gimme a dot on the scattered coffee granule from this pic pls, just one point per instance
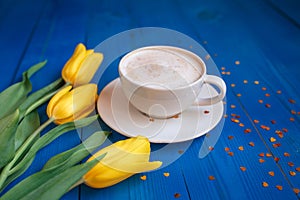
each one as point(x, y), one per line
point(232, 106)
point(265, 184)
point(279, 187)
point(291, 164)
point(239, 95)
point(268, 105)
point(232, 85)
point(166, 174)
point(180, 151)
point(241, 125)
point(286, 154)
point(245, 81)
point(235, 115)
point(261, 160)
point(268, 155)
point(228, 73)
point(260, 101)
point(241, 148)
point(211, 178)
point(248, 130)
point(235, 120)
point(267, 95)
point(271, 173)
point(223, 68)
point(298, 169)
point(273, 122)
point(276, 159)
point(227, 149)
point(230, 137)
point(292, 119)
point(265, 127)
point(243, 168)
point(230, 153)
point(293, 112)
point(256, 82)
point(251, 144)
point(206, 111)
point(285, 130)
point(276, 145)
point(177, 195)
point(144, 177)
point(296, 190)
point(261, 154)
point(225, 116)
point(298, 113)
point(292, 173)
point(272, 139)
point(207, 57)
point(264, 88)
point(237, 62)
point(176, 116)
point(223, 72)
point(278, 92)
point(211, 148)
point(279, 133)
point(292, 101)
point(256, 121)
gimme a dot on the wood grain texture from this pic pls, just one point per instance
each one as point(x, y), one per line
point(263, 36)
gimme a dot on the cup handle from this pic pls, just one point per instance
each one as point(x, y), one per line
point(219, 83)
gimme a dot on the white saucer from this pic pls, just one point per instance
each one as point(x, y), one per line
point(116, 111)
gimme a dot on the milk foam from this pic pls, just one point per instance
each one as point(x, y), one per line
point(156, 69)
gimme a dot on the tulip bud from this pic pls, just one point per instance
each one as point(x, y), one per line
point(123, 159)
point(82, 66)
point(70, 105)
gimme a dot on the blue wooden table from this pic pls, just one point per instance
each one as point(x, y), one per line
point(256, 47)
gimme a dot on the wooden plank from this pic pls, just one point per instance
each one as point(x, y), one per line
point(60, 28)
point(15, 20)
point(251, 44)
point(166, 19)
point(289, 9)
point(105, 20)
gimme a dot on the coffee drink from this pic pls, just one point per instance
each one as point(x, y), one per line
point(163, 81)
point(157, 68)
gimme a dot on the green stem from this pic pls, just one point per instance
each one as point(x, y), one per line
point(44, 99)
point(76, 184)
point(7, 169)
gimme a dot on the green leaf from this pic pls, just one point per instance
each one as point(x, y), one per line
point(27, 126)
point(12, 97)
point(8, 126)
point(76, 154)
point(39, 97)
point(16, 174)
point(49, 184)
point(50, 136)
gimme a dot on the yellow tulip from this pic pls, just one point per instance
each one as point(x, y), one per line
point(69, 105)
point(82, 66)
point(123, 159)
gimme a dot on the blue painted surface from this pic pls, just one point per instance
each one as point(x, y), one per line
point(263, 35)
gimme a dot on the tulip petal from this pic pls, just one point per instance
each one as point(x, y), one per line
point(123, 159)
point(105, 178)
point(88, 68)
point(76, 104)
point(88, 52)
point(73, 64)
point(52, 103)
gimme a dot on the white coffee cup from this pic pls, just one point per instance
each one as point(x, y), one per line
point(163, 81)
